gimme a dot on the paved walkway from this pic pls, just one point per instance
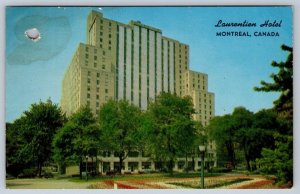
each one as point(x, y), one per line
point(42, 183)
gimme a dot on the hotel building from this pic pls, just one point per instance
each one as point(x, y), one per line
point(133, 62)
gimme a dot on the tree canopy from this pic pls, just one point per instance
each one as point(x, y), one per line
point(78, 138)
point(279, 160)
point(172, 130)
point(119, 122)
point(32, 135)
point(283, 83)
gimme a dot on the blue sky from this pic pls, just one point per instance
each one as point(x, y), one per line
point(34, 70)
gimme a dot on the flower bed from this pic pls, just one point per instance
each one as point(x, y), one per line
point(210, 183)
point(261, 184)
point(223, 182)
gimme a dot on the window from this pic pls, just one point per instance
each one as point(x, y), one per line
point(109, 35)
point(109, 23)
point(109, 42)
point(100, 45)
point(88, 95)
point(95, 57)
point(89, 73)
point(103, 52)
point(98, 82)
point(101, 21)
point(87, 49)
point(109, 48)
point(106, 91)
point(97, 97)
point(89, 80)
point(98, 89)
point(86, 55)
point(97, 104)
point(88, 88)
point(95, 64)
point(100, 39)
point(98, 74)
point(103, 66)
point(101, 33)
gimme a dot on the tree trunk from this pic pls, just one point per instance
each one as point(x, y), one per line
point(97, 165)
point(193, 163)
point(231, 154)
point(40, 169)
point(248, 165)
point(120, 163)
point(186, 162)
point(93, 168)
point(171, 166)
point(62, 169)
point(80, 168)
point(247, 160)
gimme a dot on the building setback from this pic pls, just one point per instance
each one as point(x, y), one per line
point(133, 62)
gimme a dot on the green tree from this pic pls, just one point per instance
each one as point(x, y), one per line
point(221, 130)
point(34, 133)
point(282, 155)
point(119, 122)
point(283, 83)
point(63, 147)
point(14, 143)
point(78, 138)
point(252, 141)
point(241, 122)
point(279, 160)
point(200, 138)
point(172, 131)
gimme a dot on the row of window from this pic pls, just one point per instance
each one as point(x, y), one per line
point(205, 112)
point(109, 35)
point(95, 57)
point(101, 21)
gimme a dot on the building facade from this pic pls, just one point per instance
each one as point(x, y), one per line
point(133, 62)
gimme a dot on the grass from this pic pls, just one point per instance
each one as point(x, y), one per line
point(143, 176)
point(221, 184)
point(191, 175)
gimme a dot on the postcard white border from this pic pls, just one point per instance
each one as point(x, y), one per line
point(296, 45)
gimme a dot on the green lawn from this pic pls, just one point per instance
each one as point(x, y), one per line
point(143, 176)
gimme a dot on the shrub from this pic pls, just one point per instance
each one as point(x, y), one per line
point(48, 175)
point(220, 170)
point(28, 173)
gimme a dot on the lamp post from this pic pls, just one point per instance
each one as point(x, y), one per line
point(202, 151)
point(86, 173)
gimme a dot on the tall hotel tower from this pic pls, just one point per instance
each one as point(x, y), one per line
point(133, 62)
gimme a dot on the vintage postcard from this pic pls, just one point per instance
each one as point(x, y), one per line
point(184, 97)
